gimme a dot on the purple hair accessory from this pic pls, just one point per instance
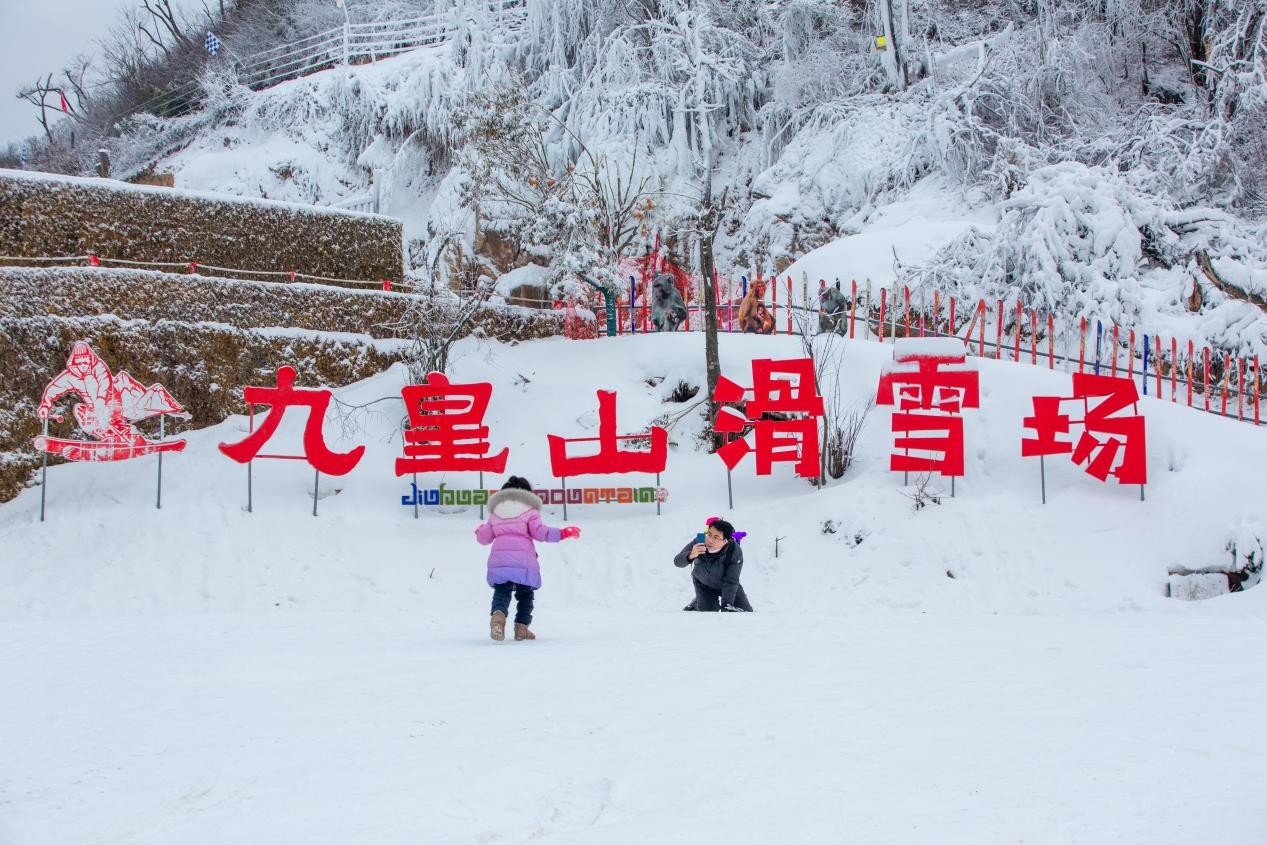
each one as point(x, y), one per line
point(737, 536)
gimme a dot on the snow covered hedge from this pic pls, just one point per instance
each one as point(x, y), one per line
point(51, 216)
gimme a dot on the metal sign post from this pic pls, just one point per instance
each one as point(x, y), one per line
point(162, 433)
point(44, 472)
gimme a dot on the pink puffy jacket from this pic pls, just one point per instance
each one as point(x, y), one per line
point(514, 522)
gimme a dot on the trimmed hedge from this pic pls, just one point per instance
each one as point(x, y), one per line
point(41, 215)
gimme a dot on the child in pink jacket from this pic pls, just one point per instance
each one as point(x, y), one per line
point(514, 522)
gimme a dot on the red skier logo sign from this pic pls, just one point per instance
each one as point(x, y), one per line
point(111, 404)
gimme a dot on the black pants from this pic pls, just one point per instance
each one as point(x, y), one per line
point(708, 599)
point(523, 601)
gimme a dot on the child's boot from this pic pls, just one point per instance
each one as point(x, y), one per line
point(522, 632)
point(497, 625)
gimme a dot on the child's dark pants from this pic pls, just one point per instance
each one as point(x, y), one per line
point(523, 601)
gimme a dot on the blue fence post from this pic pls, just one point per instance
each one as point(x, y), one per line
point(1144, 370)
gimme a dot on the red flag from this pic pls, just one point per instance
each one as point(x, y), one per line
point(65, 105)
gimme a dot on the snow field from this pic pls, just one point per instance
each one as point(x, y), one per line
point(201, 674)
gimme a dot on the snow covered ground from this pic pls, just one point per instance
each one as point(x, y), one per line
point(988, 669)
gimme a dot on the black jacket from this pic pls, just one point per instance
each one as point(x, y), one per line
point(719, 570)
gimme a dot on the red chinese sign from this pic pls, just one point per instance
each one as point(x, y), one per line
point(930, 391)
point(111, 404)
point(1100, 399)
point(446, 428)
point(279, 398)
point(778, 387)
point(610, 458)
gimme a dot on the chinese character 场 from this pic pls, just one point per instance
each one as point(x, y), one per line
point(779, 387)
point(279, 398)
point(446, 428)
point(610, 458)
point(930, 392)
point(1121, 433)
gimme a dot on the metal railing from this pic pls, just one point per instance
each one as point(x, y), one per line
point(350, 44)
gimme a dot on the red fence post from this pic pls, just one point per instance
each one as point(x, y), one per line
point(1205, 355)
point(1082, 347)
point(981, 330)
point(1157, 356)
point(1033, 338)
point(906, 317)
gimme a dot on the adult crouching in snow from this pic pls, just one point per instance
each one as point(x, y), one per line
point(716, 564)
point(514, 522)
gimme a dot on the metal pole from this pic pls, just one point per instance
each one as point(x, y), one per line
point(249, 464)
point(316, 486)
point(730, 492)
point(1042, 475)
point(415, 483)
point(481, 488)
point(347, 31)
point(657, 498)
point(44, 472)
point(162, 432)
point(564, 481)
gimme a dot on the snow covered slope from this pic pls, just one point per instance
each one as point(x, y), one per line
point(988, 669)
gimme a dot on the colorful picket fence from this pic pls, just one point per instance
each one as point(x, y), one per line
point(1170, 367)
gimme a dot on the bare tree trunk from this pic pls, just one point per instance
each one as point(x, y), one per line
point(893, 20)
point(710, 220)
point(1195, 21)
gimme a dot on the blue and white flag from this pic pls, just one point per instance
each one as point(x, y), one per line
point(212, 43)
point(23, 156)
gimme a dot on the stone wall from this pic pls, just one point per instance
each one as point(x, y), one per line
point(42, 215)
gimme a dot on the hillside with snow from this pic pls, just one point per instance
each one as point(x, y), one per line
point(1107, 156)
point(981, 668)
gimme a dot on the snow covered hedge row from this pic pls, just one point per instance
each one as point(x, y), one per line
point(153, 296)
point(50, 216)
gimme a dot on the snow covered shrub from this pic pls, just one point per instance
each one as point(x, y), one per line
point(849, 156)
point(1073, 239)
